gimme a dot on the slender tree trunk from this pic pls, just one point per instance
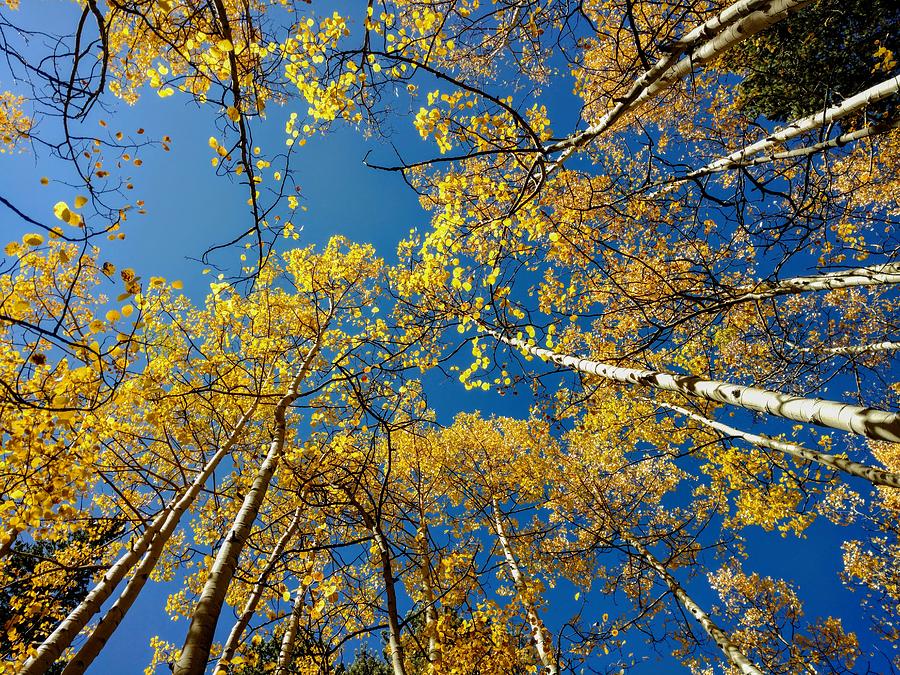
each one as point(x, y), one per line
point(705, 43)
point(428, 581)
point(146, 551)
point(869, 473)
point(198, 642)
point(391, 596)
point(290, 634)
point(873, 275)
point(732, 653)
point(805, 151)
point(851, 350)
point(544, 649)
point(876, 424)
point(431, 617)
point(237, 631)
point(390, 589)
point(848, 106)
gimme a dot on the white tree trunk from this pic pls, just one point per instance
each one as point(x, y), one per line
point(431, 616)
point(390, 590)
point(874, 275)
point(876, 424)
point(198, 642)
point(848, 106)
point(871, 474)
point(237, 631)
point(851, 350)
point(290, 634)
point(146, 550)
point(705, 43)
point(538, 632)
point(805, 151)
point(731, 651)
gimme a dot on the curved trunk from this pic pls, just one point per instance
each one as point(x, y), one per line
point(876, 424)
point(234, 637)
point(198, 642)
point(146, 551)
point(544, 649)
point(869, 473)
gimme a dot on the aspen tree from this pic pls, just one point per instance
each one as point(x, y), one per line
point(875, 424)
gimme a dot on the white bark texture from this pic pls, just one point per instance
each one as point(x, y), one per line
point(390, 591)
point(848, 106)
point(538, 633)
point(145, 553)
point(290, 635)
point(869, 473)
point(805, 151)
point(875, 275)
point(852, 350)
point(431, 616)
point(701, 45)
point(237, 631)
point(731, 651)
point(198, 642)
point(875, 424)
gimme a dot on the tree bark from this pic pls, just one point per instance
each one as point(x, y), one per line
point(237, 631)
point(145, 550)
point(431, 617)
point(869, 473)
point(874, 275)
point(290, 635)
point(851, 350)
point(848, 106)
point(544, 650)
point(390, 590)
point(731, 651)
point(876, 424)
point(704, 44)
point(198, 642)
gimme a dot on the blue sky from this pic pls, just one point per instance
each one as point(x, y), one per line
point(189, 207)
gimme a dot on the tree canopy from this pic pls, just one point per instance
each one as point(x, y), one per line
point(622, 396)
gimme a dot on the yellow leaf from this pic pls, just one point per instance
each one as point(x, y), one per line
point(61, 211)
point(113, 315)
point(177, 285)
point(80, 201)
point(33, 239)
point(286, 596)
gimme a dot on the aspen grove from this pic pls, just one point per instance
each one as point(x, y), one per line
point(619, 395)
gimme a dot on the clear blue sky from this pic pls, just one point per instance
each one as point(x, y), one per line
point(189, 207)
